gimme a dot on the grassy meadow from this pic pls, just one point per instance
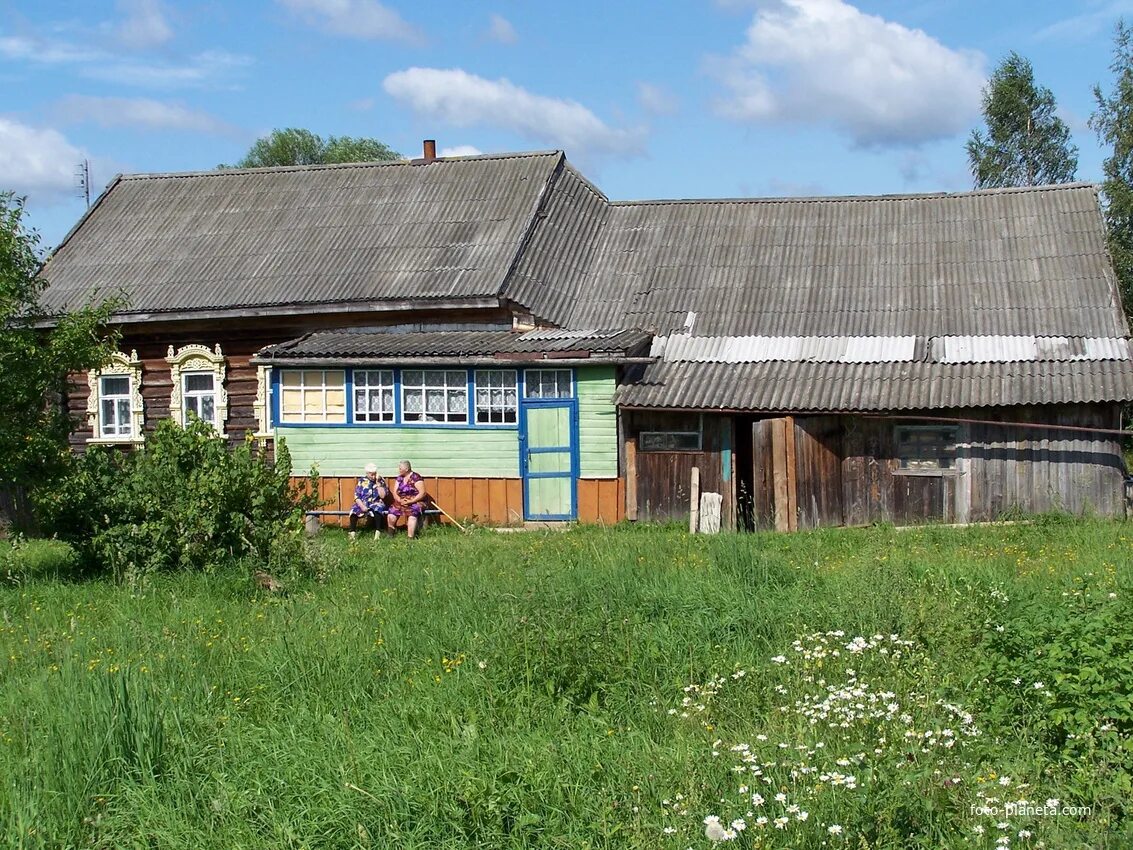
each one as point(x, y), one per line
point(626, 687)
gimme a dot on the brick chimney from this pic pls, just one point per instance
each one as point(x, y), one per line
point(430, 150)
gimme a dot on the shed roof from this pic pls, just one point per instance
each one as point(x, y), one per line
point(1027, 261)
point(305, 235)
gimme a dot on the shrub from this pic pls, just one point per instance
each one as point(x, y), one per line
point(183, 502)
point(25, 560)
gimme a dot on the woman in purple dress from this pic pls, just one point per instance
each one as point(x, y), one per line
point(409, 499)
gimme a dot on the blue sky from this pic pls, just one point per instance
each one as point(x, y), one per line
point(719, 98)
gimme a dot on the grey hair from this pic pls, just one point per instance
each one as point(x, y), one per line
point(408, 466)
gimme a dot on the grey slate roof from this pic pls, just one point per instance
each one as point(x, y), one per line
point(305, 235)
point(539, 344)
point(785, 386)
point(1029, 261)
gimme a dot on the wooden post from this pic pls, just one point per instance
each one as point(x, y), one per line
point(792, 475)
point(694, 503)
point(779, 474)
point(631, 478)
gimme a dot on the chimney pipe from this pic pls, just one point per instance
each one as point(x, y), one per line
point(430, 150)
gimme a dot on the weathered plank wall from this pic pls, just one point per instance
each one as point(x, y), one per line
point(818, 470)
point(663, 477)
point(1034, 470)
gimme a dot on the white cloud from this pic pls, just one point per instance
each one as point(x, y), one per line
point(461, 150)
point(44, 52)
point(826, 62)
point(367, 19)
point(1085, 25)
point(656, 100)
point(501, 30)
point(37, 162)
point(144, 24)
point(139, 112)
point(465, 100)
point(203, 69)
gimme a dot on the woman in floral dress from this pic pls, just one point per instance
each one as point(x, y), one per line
point(409, 498)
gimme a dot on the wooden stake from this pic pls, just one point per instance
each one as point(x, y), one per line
point(694, 506)
point(451, 517)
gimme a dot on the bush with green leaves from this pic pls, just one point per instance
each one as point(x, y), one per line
point(185, 501)
point(23, 560)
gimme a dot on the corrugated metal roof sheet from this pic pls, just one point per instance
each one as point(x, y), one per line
point(376, 345)
point(783, 386)
point(1005, 349)
point(306, 235)
point(1029, 261)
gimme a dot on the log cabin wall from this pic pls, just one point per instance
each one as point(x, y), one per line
point(663, 475)
point(239, 340)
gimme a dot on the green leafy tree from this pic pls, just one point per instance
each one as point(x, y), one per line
point(1026, 143)
point(35, 362)
point(294, 146)
point(1113, 122)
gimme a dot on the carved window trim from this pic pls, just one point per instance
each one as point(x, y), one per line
point(129, 367)
point(261, 407)
point(197, 358)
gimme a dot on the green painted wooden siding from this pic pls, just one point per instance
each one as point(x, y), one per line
point(597, 423)
point(458, 452)
point(445, 452)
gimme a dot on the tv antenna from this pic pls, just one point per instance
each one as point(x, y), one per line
point(82, 180)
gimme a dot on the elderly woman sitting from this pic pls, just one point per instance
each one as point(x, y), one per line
point(369, 502)
point(409, 499)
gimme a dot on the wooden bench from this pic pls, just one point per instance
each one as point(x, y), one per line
point(312, 518)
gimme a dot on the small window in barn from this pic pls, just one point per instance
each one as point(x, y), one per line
point(668, 441)
point(310, 396)
point(434, 395)
point(497, 402)
point(548, 383)
point(373, 396)
point(926, 448)
point(114, 406)
point(198, 395)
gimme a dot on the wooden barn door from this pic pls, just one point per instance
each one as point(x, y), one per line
point(773, 474)
point(797, 472)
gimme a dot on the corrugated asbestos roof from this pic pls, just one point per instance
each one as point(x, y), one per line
point(885, 349)
point(783, 386)
point(459, 344)
point(1006, 262)
point(305, 235)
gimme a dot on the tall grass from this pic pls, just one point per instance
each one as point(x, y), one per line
point(515, 690)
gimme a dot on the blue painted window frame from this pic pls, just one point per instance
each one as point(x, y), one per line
point(398, 419)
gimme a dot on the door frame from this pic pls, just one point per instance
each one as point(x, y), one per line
point(571, 405)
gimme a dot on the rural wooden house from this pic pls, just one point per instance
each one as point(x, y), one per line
point(540, 352)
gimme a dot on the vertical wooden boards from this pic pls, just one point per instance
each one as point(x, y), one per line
point(818, 471)
point(694, 500)
point(631, 478)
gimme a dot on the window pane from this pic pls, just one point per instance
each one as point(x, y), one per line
point(312, 402)
point(198, 382)
point(292, 401)
point(458, 401)
point(123, 416)
point(564, 384)
point(456, 379)
point(335, 379)
point(116, 385)
point(413, 402)
point(108, 419)
point(434, 379)
point(387, 401)
point(412, 378)
point(208, 409)
point(312, 379)
point(291, 378)
point(191, 407)
point(435, 401)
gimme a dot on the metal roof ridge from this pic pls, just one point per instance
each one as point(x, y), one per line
point(908, 196)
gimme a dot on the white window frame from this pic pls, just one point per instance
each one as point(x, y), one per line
point(508, 413)
point(197, 359)
point(533, 377)
point(119, 366)
point(322, 388)
point(364, 416)
point(450, 390)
